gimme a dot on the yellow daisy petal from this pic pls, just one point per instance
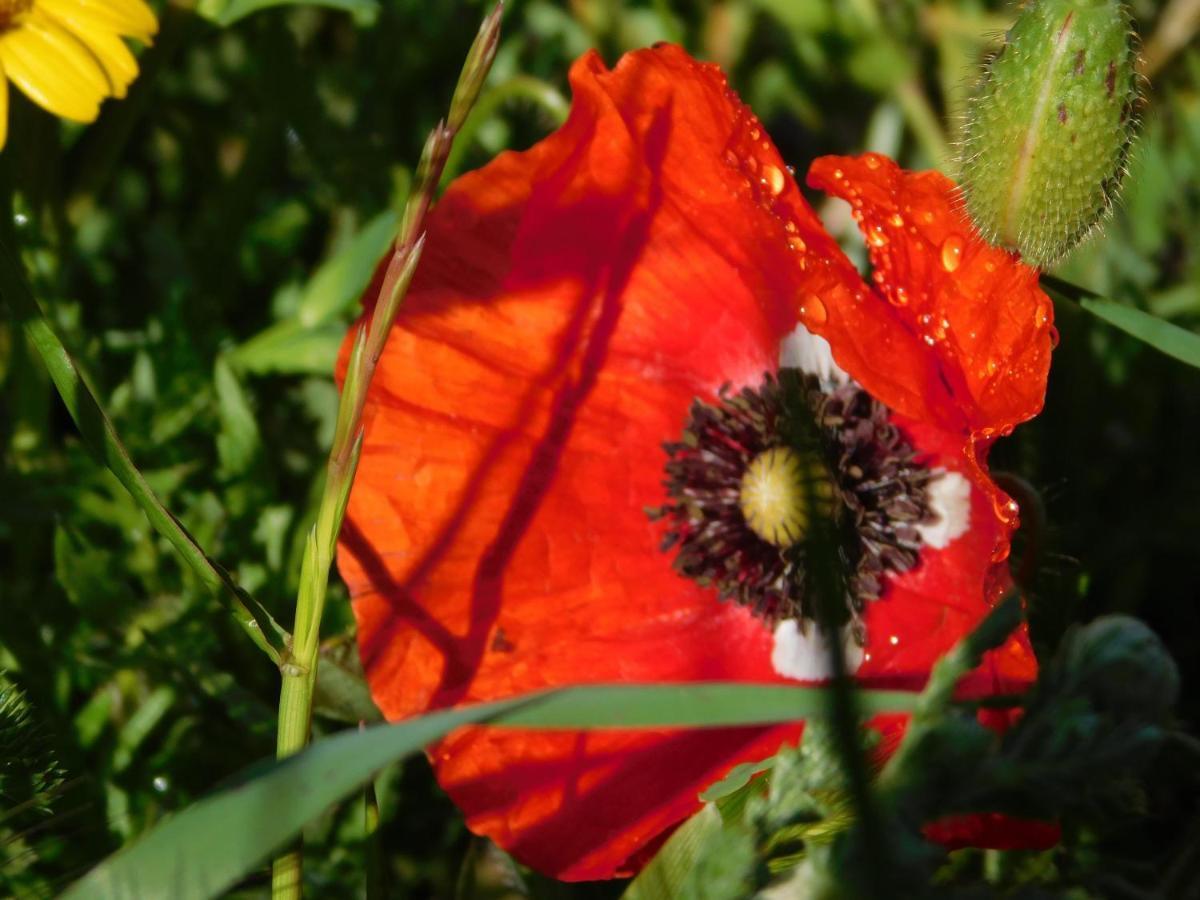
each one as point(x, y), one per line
point(110, 51)
point(132, 18)
point(3, 107)
point(54, 70)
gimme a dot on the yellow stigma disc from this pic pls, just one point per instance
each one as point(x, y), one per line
point(776, 492)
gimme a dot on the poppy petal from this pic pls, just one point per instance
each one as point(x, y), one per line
point(926, 610)
point(944, 297)
point(572, 301)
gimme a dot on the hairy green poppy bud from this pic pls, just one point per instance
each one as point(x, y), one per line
point(1050, 126)
point(1124, 667)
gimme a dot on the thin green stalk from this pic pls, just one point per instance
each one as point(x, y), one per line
point(926, 126)
point(376, 877)
point(101, 438)
point(299, 671)
point(544, 96)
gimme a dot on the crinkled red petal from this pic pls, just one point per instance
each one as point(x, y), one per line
point(956, 332)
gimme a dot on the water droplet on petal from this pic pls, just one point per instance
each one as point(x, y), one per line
point(899, 296)
point(751, 164)
point(773, 180)
point(812, 310)
point(876, 237)
point(1044, 312)
point(896, 220)
point(927, 217)
point(1008, 510)
point(755, 134)
point(797, 244)
point(952, 250)
point(872, 161)
point(838, 174)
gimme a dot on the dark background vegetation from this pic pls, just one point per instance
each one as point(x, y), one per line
point(174, 245)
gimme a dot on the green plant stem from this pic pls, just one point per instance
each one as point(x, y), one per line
point(101, 438)
point(299, 670)
point(924, 122)
point(520, 87)
point(376, 885)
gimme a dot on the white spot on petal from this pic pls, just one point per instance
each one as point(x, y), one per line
point(805, 657)
point(810, 353)
point(950, 500)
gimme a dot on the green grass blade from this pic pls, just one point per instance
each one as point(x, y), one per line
point(101, 438)
point(209, 846)
point(1176, 342)
point(1164, 337)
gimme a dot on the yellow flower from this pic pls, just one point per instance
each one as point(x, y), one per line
point(68, 55)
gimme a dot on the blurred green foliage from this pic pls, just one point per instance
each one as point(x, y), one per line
point(201, 247)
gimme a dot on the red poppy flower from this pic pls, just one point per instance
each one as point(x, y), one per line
point(630, 281)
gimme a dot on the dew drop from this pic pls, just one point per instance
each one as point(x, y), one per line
point(773, 180)
point(797, 244)
point(872, 161)
point(989, 266)
point(927, 217)
point(812, 310)
point(755, 134)
point(1008, 510)
point(952, 250)
point(838, 174)
point(900, 296)
point(896, 220)
point(789, 226)
point(751, 164)
point(731, 158)
point(876, 237)
point(1044, 312)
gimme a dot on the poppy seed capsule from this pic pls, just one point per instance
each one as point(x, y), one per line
point(1049, 127)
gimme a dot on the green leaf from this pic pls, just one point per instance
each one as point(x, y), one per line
point(736, 779)
point(343, 277)
point(288, 348)
point(1164, 337)
point(703, 858)
point(227, 12)
point(341, 691)
point(204, 849)
point(238, 441)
